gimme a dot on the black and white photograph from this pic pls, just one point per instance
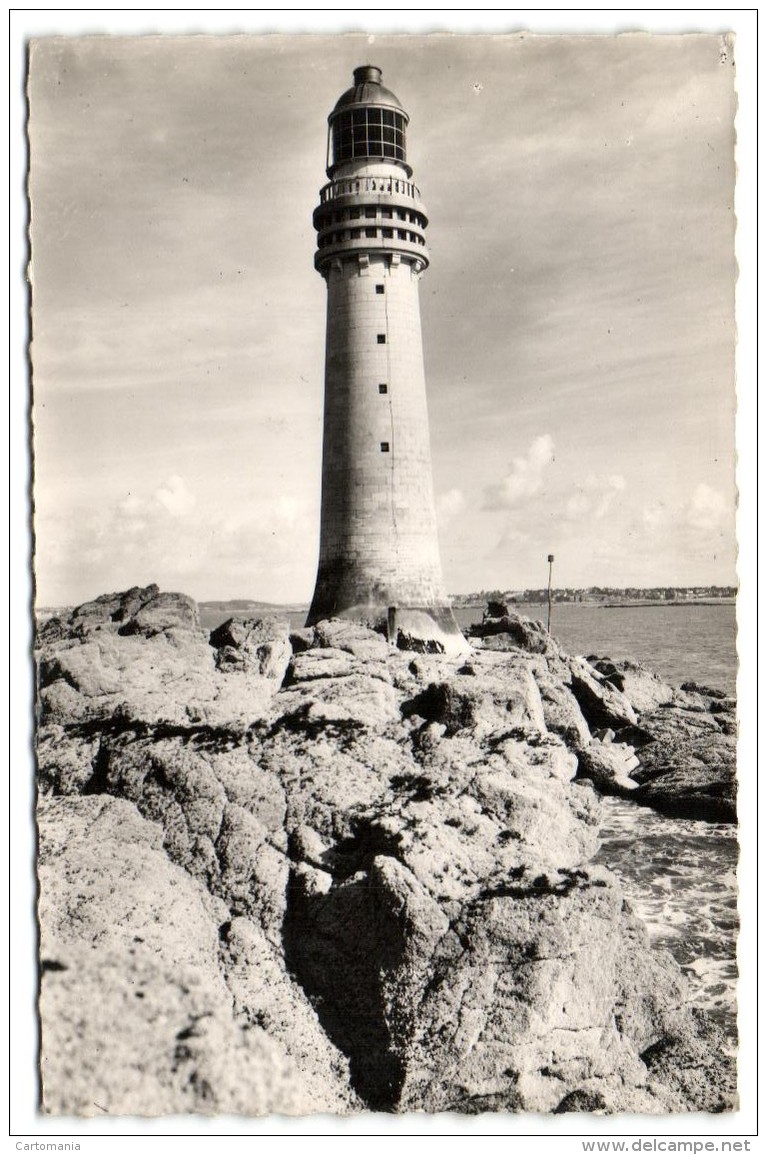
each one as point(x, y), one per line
point(382, 413)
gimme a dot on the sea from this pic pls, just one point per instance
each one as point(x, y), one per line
point(679, 875)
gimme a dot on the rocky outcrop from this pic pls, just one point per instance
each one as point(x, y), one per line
point(684, 741)
point(670, 748)
point(253, 645)
point(643, 688)
point(139, 1015)
point(609, 765)
point(136, 611)
point(96, 666)
point(364, 884)
point(688, 769)
point(508, 631)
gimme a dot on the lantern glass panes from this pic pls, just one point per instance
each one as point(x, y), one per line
point(368, 132)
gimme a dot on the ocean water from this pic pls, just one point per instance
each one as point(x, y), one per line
point(679, 876)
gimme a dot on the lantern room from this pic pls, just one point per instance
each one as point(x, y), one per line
point(368, 123)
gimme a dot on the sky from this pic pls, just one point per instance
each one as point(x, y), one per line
point(578, 313)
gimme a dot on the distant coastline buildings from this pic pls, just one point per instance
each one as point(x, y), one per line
point(601, 594)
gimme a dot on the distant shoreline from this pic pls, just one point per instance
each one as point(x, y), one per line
point(636, 605)
point(656, 603)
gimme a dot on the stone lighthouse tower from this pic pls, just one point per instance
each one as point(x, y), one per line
point(379, 554)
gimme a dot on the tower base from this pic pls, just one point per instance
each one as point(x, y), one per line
point(423, 629)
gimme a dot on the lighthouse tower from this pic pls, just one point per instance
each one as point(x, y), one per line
point(379, 555)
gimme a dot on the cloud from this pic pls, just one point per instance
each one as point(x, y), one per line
point(526, 476)
point(594, 496)
point(163, 535)
point(449, 505)
point(175, 496)
point(707, 509)
point(510, 537)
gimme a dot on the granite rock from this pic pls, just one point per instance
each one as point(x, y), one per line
point(137, 1017)
point(641, 687)
point(257, 645)
point(689, 769)
point(369, 881)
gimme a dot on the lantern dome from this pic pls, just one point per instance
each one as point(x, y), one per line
point(367, 123)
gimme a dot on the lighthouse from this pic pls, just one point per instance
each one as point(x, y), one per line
point(379, 553)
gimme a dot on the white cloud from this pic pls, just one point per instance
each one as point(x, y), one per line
point(608, 493)
point(707, 509)
point(594, 495)
point(526, 476)
point(175, 496)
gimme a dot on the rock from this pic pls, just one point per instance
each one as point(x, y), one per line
point(581, 1100)
point(561, 712)
point(689, 774)
point(314, 665)
point(268, 997)
point(252, 645)
point(680, 760)
point(514, 632)
point(418, 645)
point(136, 611)
point(162, 612)
point(601, 704)
point(689, 769)
point(496, 610)
point(136, 1017)
point(702, 691)
point(609, 767)
point(496, 703)
point(338, 634)
point(515, 1009)
point(365, 885)
point(301, 640)
point(693, 1063)
point(606, 737)
point(355, 698)
point(642, 688)
point(105, 612)
point(636, 736)
point(166, 678)
point(651, 991)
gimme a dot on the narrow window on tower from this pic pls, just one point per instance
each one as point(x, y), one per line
point(379, 288)
point(384, 447)
point(381, 338)
point(383, 387)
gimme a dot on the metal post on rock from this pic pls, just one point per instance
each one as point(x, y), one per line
point(548, 615)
